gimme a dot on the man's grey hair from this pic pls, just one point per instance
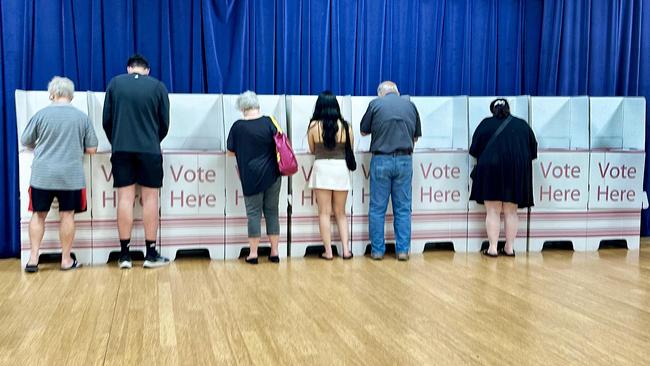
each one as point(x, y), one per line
point(61, 87)
point(387, 87)
point(247, 101)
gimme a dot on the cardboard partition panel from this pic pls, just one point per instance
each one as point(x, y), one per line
point(440, 199)
point(561, 171)
point(616, 197)
point(195, 123)
point(616, 170)
point(617, 123)
point(193, 203)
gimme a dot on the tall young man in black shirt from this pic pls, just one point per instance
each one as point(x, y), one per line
point(136, 120)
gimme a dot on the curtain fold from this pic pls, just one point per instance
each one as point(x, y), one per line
point(470, 47)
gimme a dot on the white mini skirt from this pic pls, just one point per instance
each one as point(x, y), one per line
point(332, 174)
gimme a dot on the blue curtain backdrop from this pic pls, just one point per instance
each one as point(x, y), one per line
point(429, 47)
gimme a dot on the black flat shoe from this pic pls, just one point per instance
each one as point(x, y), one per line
point(274, 258)
point(251, 260)
point(31, 268)
point(322, 256)
point(74, 265)
point(349, 256)
point(488, 254)
point(504, 253)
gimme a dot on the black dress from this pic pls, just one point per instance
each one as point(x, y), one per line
point(504, 171)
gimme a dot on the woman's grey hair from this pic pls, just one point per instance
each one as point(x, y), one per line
point(61, 87)
point(247, 101)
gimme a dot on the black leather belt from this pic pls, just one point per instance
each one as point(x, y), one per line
point(394, 153)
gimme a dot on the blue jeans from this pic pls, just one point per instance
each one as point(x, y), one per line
point(390, 176)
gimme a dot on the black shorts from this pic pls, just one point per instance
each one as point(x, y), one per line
point(40, 200)
point(130, 168)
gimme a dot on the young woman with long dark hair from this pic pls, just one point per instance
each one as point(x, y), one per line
point(330, 178)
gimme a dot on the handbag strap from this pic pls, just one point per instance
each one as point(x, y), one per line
point(497, 132)
point(275, 123)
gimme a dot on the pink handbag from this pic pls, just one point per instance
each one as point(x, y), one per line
point(287, 162)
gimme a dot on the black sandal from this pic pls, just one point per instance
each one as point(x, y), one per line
point(74, 265)
point(31, 268)
point(504, 253)
point(274, 258)
point(322, 256)
point(349, 256)
point(488, 254)
point(251, 260)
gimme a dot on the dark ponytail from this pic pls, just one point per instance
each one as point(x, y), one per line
point(500, 108)
point(328, 112)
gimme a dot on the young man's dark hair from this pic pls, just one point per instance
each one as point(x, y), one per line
point(137, 60)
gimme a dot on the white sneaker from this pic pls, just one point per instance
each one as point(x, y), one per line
point(125, 261)
point(154, 261)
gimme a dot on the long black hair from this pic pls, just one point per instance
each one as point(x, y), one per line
point(500, 108)
point(327, 111)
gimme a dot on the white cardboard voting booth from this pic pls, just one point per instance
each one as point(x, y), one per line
point(440, 174)
point(561, 171)
point(236, 231)
point(479, 108)
point(616, 170)
point(27, 104)
point(304, 210)
point(193, 192)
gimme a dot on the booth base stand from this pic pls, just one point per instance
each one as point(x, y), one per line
point(613, 225)
point(557, 226)
point(438, 227)
point(187, 233)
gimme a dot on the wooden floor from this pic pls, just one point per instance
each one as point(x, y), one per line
point(441, 308)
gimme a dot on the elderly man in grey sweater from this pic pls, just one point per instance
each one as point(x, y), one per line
point(60, 134)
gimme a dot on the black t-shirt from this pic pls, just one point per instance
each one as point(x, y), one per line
point(253, 145)
point(136, 113)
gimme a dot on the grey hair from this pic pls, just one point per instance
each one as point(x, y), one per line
point(61, 87)
point(247, 101)
point(387, 87)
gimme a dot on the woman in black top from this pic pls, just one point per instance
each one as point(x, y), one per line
point(251, 141)
point(503, 176)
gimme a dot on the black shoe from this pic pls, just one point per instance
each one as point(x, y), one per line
point(125, 261)
point(31, 268)
point(504, 253)
point(251, 260)
point(154, 260)
point(349, 256)
point(274, 259)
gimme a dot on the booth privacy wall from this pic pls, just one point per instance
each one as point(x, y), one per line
point(479, 47)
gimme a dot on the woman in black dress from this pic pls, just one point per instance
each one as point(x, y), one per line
point(503, 176)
